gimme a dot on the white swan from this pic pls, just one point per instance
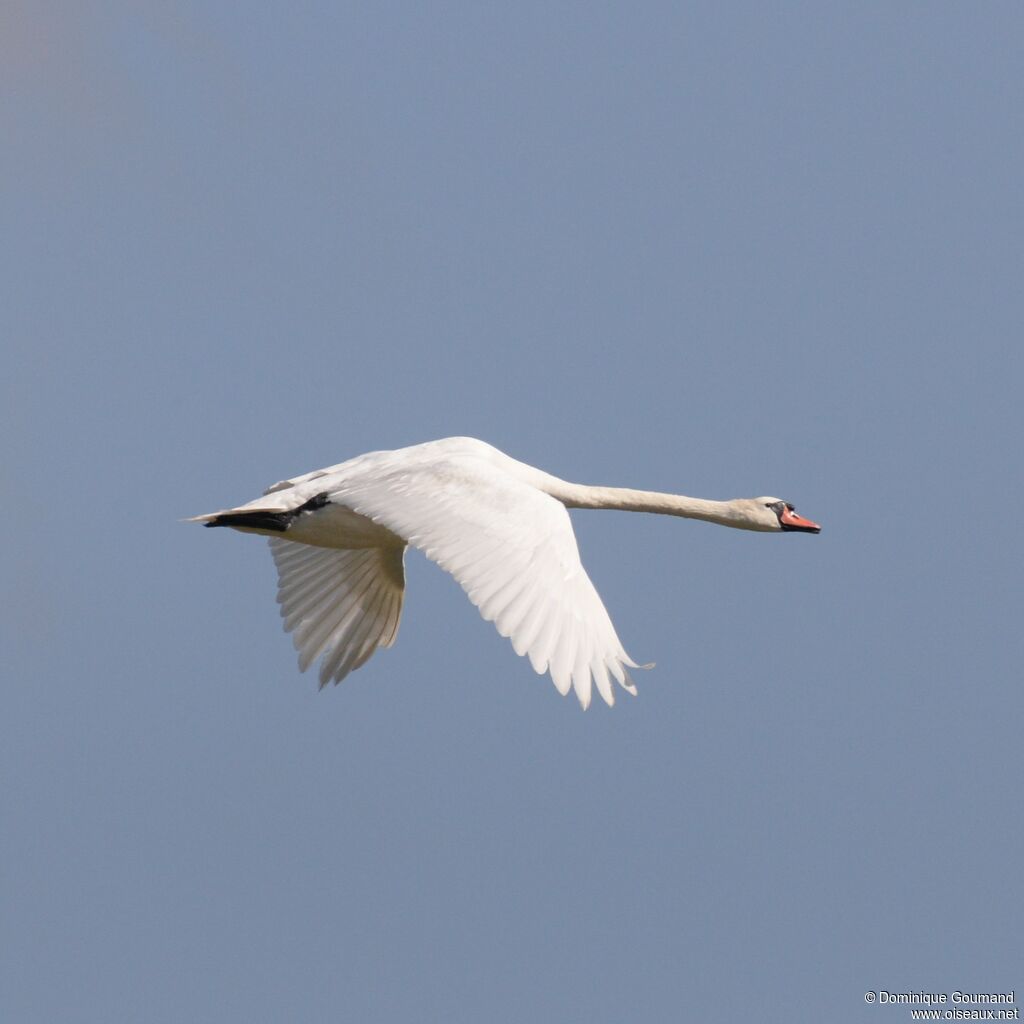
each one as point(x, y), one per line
point(500, 527)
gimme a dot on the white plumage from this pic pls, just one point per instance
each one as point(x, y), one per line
point(500, 527)
point(339, 603)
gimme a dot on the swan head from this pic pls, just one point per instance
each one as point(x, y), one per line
point(775, 514)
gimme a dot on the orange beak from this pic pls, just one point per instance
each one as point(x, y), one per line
point(794, 522)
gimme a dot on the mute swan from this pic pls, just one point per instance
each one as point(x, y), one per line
point(500, 527)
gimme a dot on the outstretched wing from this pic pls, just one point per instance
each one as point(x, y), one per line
point(340, 603)
point(512, 549)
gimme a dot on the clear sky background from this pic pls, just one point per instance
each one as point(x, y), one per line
point(723, 250)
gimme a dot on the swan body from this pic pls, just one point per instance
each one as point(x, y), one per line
point(500, 527)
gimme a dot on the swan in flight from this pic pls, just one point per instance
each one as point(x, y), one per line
point(500, 527)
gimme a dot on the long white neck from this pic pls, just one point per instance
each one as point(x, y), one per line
point(735, 513)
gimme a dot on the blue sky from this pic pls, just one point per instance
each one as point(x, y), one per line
point(722, 250)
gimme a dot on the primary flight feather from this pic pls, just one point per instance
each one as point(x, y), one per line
point(500, 527)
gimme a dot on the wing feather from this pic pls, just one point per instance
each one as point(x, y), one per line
point(511, 548)
point(341, 603)
point(335, 615)
point(317, 586)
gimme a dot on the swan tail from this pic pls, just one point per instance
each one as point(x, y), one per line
point(263, 519)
